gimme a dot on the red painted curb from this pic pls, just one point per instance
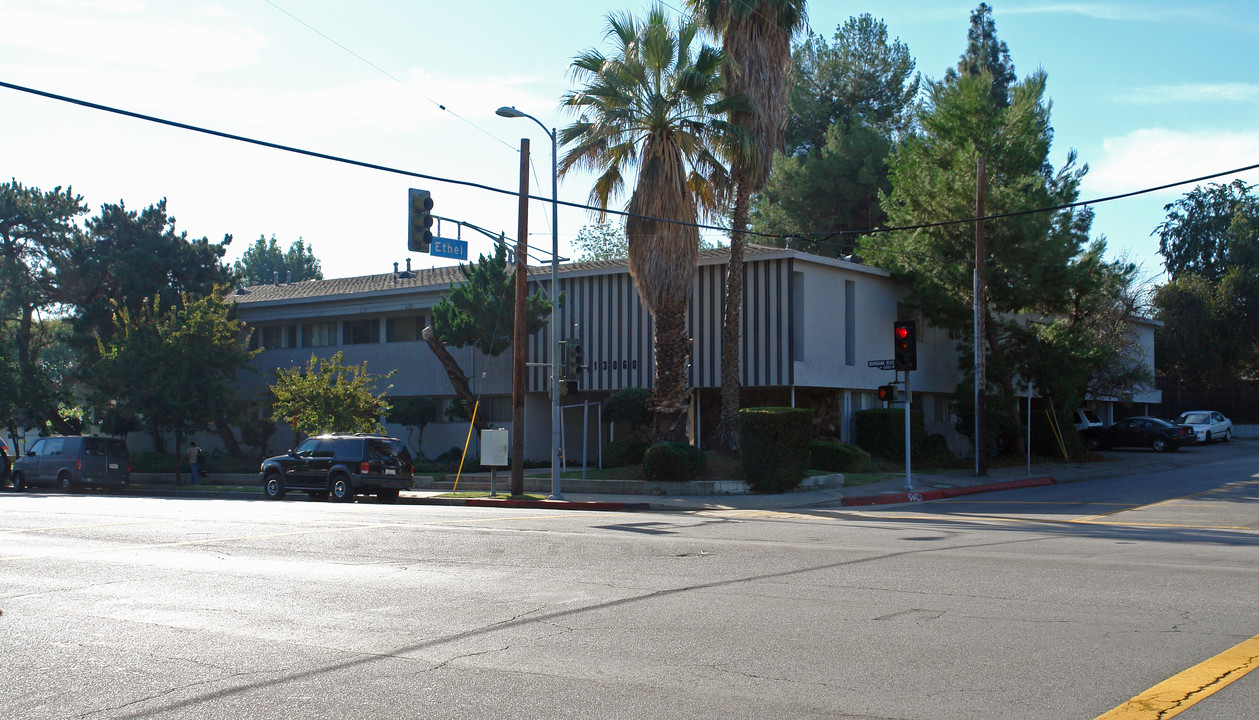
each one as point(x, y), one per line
point(906, 497)
point(554, 504)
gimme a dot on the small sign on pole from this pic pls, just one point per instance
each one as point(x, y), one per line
point(880, 364)
point(449, 248)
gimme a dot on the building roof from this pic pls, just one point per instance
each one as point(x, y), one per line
point(439, 277)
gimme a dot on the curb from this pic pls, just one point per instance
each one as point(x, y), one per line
point(555, 504)
point(922, 496)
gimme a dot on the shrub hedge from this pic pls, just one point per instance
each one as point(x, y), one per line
point(774, 445)
point(881, 432)
point(673, 461)
point(835, 456)
point(622, 453)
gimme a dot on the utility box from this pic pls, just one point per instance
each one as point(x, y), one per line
point(494, 444)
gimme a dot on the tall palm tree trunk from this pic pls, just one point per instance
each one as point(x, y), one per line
point(732, 324)
point(672, 350)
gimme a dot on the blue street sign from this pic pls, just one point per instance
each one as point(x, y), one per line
point(448, 248)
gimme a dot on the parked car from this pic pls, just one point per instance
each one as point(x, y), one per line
point(1207, 425)
point(72, 461)
point(1139, 432)
point(1084, 419)
point(340, 466)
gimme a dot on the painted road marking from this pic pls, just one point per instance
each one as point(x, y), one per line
point(1180, 692)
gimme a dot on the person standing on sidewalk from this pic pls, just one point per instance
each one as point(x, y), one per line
point(195, 459)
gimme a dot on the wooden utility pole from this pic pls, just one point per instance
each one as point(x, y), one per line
point(981, 447)
point(518, 331)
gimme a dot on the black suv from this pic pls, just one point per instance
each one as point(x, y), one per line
point(341, 466)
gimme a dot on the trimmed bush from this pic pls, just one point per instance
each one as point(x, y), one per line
point(774, 446)
point(622, 453)
point(881, 432)
point(673, 461)
point(834, 456)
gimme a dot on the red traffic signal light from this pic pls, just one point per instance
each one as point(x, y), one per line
point(905, 345)
point(419, 220)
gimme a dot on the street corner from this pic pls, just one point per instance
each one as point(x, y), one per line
point(912, 496)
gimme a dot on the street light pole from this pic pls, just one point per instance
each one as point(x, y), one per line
point(511, 112)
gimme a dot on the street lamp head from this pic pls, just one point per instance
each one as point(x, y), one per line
point(508, 112)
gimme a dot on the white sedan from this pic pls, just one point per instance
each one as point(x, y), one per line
point(1207, 425)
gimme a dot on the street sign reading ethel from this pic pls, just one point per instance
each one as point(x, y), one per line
point(880, 364)
point(448, 248)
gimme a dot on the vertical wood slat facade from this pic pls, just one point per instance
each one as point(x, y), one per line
point(604, 310)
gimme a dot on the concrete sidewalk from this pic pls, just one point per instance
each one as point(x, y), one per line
point(930, 485)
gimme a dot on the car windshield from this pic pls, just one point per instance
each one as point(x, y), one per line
point(1194, 418)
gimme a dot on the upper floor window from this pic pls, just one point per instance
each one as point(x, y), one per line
point(276, 337)
point(319, 334)
point(404, 329)
point(361, 332)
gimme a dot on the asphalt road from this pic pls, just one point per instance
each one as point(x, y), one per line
point(1055, 602)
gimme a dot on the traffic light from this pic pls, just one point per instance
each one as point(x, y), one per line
point(419, 221)
point(887, 393)
point(905, 345)
point(572, 359)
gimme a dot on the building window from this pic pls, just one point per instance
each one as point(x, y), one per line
point(499, 409)
point(361, 332)
point(277, 337)
point(850, 323)
point(319, 334)
point(404, 329)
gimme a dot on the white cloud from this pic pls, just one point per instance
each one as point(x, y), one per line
point(1207, 92)
point(128, 42)
point(1157, 156)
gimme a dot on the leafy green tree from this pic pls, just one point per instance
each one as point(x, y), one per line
point(851, 99)
point(985, 54)
point(1210, 307)
point(756, 38)
point(169, 369)
point(263, 260)
point(860, 79)
point(480, 312)
point(327, 396)
point(414, 413)
point(1033, 261)
point(654, 105)
point(1210, 230)
point(603, 241)
point(37, 235)
point(132, 258)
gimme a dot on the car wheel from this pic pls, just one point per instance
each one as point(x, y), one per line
point(1094, 444)
point(342, 489)
point(387, 496)
point(65, 483)
point(1207, 438)
point(1227, 434)
point(1160, 445)
point(317, 494)
point(273, 487)
point(19, 482)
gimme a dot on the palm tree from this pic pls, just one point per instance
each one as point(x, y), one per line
point(756, 37)
point(655, 105)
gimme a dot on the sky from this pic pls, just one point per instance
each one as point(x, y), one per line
point(1145, 92)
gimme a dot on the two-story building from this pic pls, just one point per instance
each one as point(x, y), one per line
point(812, 327)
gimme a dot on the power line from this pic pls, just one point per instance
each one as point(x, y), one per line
point(386, 73)
point(565, 203)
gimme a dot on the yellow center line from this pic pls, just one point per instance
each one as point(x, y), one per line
point(265, 536)
point(1181, 691)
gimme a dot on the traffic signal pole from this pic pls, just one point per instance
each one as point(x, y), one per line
point(909, 397)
